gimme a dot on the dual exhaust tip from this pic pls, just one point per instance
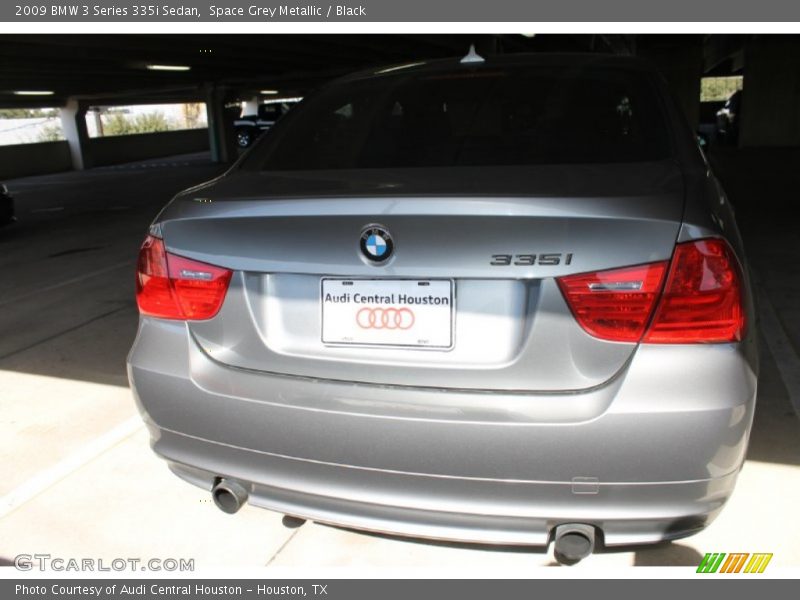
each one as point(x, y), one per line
point(573, 541)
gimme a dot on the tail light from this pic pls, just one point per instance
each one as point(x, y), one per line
point(702, 299)
point(175, 287)
point(615, 305)
point(699, 300)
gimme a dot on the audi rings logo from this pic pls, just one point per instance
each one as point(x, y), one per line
point(385, 318)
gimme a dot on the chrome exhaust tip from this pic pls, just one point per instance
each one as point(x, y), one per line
point(573, 542)
point(229, 496)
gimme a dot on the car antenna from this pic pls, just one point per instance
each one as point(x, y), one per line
point(472, 56)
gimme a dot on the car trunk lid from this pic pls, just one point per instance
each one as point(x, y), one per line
point(511, 328)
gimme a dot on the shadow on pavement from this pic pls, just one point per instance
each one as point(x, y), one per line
point(67, 306)
point(761, 184)
point(669, 554)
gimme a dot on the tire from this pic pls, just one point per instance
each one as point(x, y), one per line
point(244, 137)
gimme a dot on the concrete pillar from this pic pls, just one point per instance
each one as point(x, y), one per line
point(73, 124)
point(680, 60)
point(770, 111)
point(250, 106)
point(220, 125)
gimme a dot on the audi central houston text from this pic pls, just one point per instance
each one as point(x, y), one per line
point(497, 300)
point(390, 299)
point(154, 589)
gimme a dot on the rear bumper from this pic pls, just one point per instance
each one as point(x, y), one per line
point(656, 460)
point(490, 512)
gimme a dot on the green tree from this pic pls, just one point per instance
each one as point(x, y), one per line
point(719, 89)
point(191, 114)
point(50, 133)
point(26, 113)
point(119, 123)
point(19, 113)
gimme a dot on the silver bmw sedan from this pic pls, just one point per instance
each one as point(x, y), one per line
point(496, 300)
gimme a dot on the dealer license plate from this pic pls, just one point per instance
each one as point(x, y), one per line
point(388, 312)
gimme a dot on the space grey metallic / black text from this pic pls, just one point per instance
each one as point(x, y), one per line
point(496, 300)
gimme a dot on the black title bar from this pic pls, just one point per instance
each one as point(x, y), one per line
point(203, 11)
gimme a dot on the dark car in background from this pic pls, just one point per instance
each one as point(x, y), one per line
point(249, 127)
point(6, 205)
point(728, 118)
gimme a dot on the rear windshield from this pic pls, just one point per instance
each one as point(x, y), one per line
point(471, 117)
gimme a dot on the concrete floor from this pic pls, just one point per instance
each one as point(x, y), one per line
point(79, 480)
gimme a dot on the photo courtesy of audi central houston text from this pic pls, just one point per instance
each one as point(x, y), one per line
point(494, 299)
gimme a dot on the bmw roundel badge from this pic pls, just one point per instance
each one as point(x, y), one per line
point(376, 243)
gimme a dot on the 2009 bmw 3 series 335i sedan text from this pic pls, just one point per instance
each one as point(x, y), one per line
point(499, 301)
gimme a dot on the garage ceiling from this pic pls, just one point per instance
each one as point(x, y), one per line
point(112, 69)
